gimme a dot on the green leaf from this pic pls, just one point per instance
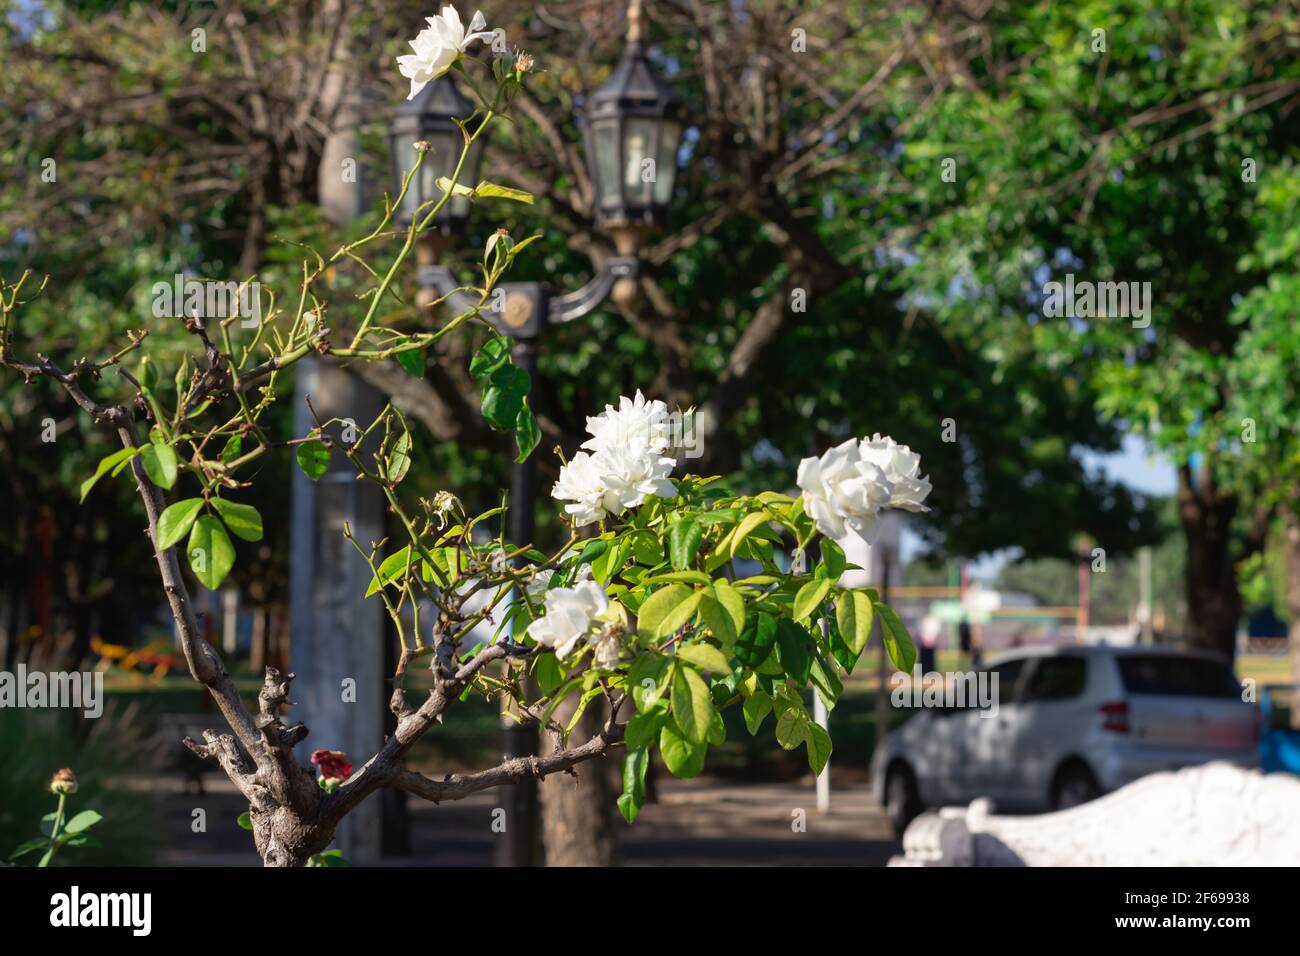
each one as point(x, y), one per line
point(399, 457)
point(756, 640)
point(679, 615)
point(756, 708)
point(809, 597)
point(683, 758)
point(732, 602)
point(678, 577)
point(160, 464)
point(791, 728)
point(721, 516)
point(527, 434)
point(632, 799)
point(657, 606)
point(80, 839)
point(456, 189)
point(746, 528)
point(706, 657)
point(547, 673)
point(793, 650)
point(245, 821)
point(494, 353)
point(210, 552)
point(826, 682)
point(234, 447)
point(717, 620)
point(644, 679)
point(31, 846)
point(818, 746)
point(313, 459)
point(642, 729)
point(646, 549)
point(833, 560)
point(175, 521)
point(504, 397)
point(392, 568)
point(898, 643)
point(412, 362)
point(487, 190)
point(684, 539)
point(83, 821)
point(692, 705)
point(242, 520)
point(853, 614)
point(717, 729)
point(107, 464)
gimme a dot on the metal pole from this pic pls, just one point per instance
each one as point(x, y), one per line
point(822, 717)
point(1144, 594)
point(518, 846)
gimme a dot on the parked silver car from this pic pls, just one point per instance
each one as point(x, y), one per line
point(1071, 723)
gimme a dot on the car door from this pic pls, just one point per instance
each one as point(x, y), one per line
point(938, 753)
point(988, 731)
point(1053, 716)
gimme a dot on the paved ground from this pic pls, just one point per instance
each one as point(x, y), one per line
point(695, 823)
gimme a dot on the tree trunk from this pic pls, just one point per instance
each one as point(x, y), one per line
point(1292, 544)
point(283, 840)
point(1214, 604)
point(577, 820)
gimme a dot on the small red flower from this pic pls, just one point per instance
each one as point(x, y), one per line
point(333, 764)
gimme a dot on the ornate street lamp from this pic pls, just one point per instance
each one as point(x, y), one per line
point(431, 116)
point(632, 125)
point(632, 130)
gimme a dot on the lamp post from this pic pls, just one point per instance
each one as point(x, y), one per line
point(632, 129)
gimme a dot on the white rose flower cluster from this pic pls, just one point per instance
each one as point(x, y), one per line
point(846, 488)
point(437, 47)
point(625, 462)
point(569, 617)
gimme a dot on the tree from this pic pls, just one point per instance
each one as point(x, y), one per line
point(1121, 145)
point(646, 616)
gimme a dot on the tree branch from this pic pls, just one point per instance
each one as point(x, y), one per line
point(457, 786)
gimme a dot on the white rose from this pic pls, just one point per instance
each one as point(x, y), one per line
point(635, 421)
point(568, 616)
point(581, 484)
point(843, 492)
point(437, 47)
point(633, 473)
point(611, 481)
point(537, 587)
point(902, 467)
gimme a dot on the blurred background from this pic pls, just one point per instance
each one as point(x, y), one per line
point(863, 205)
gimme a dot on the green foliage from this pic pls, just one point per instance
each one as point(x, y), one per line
point(33, 746)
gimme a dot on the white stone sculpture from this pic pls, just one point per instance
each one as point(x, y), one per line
point(1212, 815)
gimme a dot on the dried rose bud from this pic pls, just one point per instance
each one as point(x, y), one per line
point(332, 764)
point(63, 783)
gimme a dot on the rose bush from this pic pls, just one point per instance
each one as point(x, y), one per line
point(641, 612)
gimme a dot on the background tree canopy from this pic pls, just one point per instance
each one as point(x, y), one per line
point(826, 272)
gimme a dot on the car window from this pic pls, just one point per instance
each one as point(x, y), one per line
point(1172, 676)
point(1057, 678)
point(1008, 673)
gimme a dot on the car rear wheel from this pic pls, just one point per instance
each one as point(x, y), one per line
point(902, 797)
point(1075, 785)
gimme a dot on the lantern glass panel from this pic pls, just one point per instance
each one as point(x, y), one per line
point(638, 146)
point(670, 135)
point(606, 149)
